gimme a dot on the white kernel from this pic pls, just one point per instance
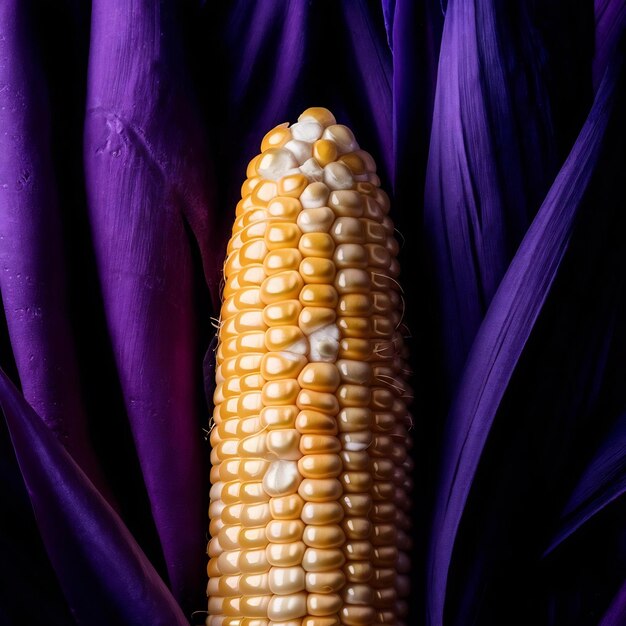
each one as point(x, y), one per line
point(324, 344)
point(281, 478)
point(301, 150)
point(312, 170)
point(275, 163)
point(307, 131)
point(342, 136)
point(338, 176)
point(314, 196)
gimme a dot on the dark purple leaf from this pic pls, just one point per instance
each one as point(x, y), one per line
point(602, 482)
point(105, 576)
point(32, 264)
point(610, 23)
point(616, 613)
point(491, 158)
point(503, 336)
point(146, 176)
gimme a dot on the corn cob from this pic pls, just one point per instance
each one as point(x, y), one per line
point(310, 473)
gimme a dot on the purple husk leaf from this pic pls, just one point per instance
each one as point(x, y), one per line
point(503, 336)
point(33, 275)
point(602, 482)
point(105, 576)
point(610, 21)
point(492, 157)
point(146, 177)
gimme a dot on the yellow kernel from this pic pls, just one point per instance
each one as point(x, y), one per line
point(282, 313)
point(317, 220)
point(255, 230)
point(321, 513)
point(248, 426)
point(348, 230)
point(354, 162)
point(318, 401)
point(353, 280)
point(284, 207)
point(280, 392)
point(314, 196)
point(253, 606)
point(249, 320)
point(320, 490)
point(354, 371)
point(278, 417)
point(319, 444)
point(249, 184)
point(252, 492)
point(325, 582)
point(253, 251)
point(313, 422)
point(228, 562)
point(354, 395)
point(281, 286)
point(320, 466)
point(356, 327)
point(284, 443)
point(317, 245)
point(331, 536)
point(276, 137)
point(250, 341)
point(289, 338)
point(283, 531)
point(281, 260)
point(251, 382)
point(319, 377)
point(253, 561)
point(292, 185)
point(320, 560)
point(249, 403)
point(355, 349)
point(252, 165)
point(276, 365)
point(314, 318)
point(282, 235)
point(346, 203)
point(324, 151)
point(285, 554)
point(254, 584)
point(342, 136)
point(318, 114)
point(351, 255)
point(356, 482)
point(357, 305)
point(255, 515)
point(319, 296)
point(264, 192)
point(287, 607)
point(288, 507)
point(322, 604)
point(285, 580)
point(317, 271)
point(254, 446)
